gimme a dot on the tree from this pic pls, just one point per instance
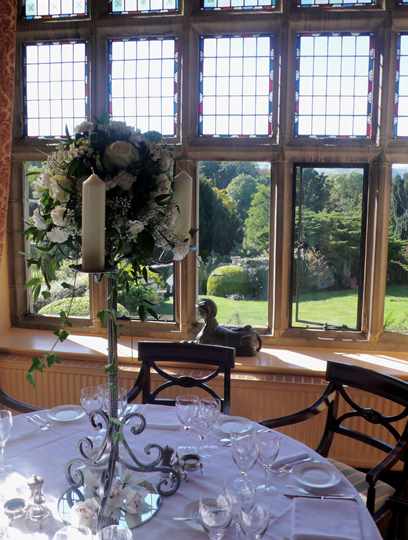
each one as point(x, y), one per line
point(241, 189)
point(399, 207)
point(314, 189)
point(222, 172)
point(346, 191)
point(256, 237)
point(220, 227)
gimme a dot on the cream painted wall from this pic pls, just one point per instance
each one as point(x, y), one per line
point(4, 294)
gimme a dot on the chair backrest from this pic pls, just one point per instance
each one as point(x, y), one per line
point(219, 359)
point(341, 377)
point(14, 404)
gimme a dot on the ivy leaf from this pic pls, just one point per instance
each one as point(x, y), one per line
point(103, 316)
point(153, 313)
point(52, 359)
point(30, 378)
point(66, 285)
point(61, 334)
point(33, 282)
point(46, 294)
point(64, 318)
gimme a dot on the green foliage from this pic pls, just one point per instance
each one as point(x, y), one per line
point(220, 226)
point(229, 280)
point(79, 307)
point(256, 239)
point(345, 191)
point(315, 189)
point(220, 173)
point(241, 189)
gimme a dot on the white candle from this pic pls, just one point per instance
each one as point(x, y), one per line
point(182, 197)
point(93, 224)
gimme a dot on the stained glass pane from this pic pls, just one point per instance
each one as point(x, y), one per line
point(55, 87)
point(238, 4)
point(144, 82)
point(337, 3)
point(45, 9)
point(236, 86)
point(401, 90)
point(144, 6)
point(334, 85)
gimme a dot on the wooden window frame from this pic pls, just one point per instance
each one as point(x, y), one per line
point(282, 151)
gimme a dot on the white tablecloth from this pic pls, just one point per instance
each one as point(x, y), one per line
point(32, 451)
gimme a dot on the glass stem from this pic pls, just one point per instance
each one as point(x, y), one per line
point(2, 455)
point(268, 478)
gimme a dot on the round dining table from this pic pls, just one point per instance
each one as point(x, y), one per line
point(45, 451)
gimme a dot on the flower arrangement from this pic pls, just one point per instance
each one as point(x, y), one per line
point(145, 207)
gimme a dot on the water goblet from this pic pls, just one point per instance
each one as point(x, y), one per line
point(122, 398)
point(91, 399)
point(240, 493)
point(186, 410)
point(113, 532)
point(73, 533)
point(215, 516)
point(268, 444)
point(255, 522)
point(244, 452)
point(207, 415)
point(6, 423)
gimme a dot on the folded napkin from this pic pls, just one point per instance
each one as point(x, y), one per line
point(291, 458)
point(326, 519)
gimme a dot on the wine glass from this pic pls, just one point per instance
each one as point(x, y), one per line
point(186, 410)
point(91, 399)
point(6, 423)
point(207, 415)
point(113, 532)
point(268, 444)
point(240, 493)
point(255, 522)
point(244, 452)
point(215, 516)
point(122, 398)
point(73, 533)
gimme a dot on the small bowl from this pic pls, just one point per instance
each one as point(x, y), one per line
point(15, 508)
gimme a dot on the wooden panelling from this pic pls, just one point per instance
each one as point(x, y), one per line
point(257, 397)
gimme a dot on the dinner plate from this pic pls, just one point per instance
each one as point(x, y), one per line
point(233, 425)
point(66, 413)
point(316, 475)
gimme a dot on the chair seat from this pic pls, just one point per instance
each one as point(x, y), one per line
point(357, 478)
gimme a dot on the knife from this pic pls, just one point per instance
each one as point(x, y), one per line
point(293, 495)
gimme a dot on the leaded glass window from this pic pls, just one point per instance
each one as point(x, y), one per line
point(236, 86)
point(144, 6)
point(238, 4)
point(334, 85)
point(144, 83)
point(337, 3)
point(56, 87)
point(401, 88)
point(43, 9)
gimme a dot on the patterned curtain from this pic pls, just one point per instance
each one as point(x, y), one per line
point(8, 17)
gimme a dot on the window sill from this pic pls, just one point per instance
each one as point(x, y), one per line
point(299, 361)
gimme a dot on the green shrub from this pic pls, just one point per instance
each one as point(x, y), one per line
point(79, 308)
point(229, 280)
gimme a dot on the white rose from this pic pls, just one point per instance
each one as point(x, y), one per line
point(163, 184)
point(85, 513)
point(181, 250)
point(124, 180)
point(39, 221)
point(57, 235)
point(84, 127)
point(59, 186)
point(135, 227)
point(120, 154)
point(58, 216)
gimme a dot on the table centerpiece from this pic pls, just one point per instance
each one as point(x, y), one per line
point(108, 201)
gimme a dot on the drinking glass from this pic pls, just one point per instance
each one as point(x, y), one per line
point(104, 390)
point(186, 410)
point(254, 522)
point(91, 399)
point(215, 516)
point(240, 493)
point(73, 533)
point(113, 532)
point(6, 423)
point(268, 444)
point(207, 415)
point(244, 452)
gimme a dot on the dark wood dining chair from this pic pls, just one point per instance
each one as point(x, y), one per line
point(382, 498)
point(153, 355)
point(9, 402)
